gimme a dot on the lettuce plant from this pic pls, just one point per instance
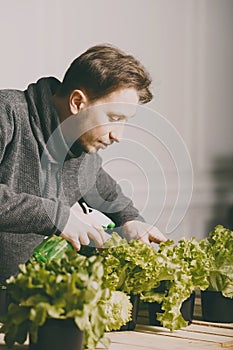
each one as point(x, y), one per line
point(167, 276)
point(218, 247)
point(70, 287)
point(183, 268)
point(130, 267)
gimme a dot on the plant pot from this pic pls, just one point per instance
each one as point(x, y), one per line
point(130, 326)
point(58, 334)
point(216, 307)
point(4, 300)
point(186, 310)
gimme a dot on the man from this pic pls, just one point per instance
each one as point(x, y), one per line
point(50, 136)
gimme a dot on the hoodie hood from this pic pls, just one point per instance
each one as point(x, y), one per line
point(45, 120)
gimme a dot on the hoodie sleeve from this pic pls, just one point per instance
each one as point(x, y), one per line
point(26, 213)
point(116, 205)
point(106, 196)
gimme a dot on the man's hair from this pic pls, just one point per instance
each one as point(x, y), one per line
point(103, 69)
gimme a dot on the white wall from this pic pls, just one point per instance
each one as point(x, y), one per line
point(188, 48)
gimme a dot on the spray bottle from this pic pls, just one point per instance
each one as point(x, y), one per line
point(55, 246)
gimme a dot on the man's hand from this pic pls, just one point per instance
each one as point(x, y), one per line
point(80, 228)
point(143, 231)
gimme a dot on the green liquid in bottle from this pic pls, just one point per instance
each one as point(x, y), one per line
point(53, 247)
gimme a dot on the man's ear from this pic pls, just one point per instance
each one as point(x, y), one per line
point(78, 101)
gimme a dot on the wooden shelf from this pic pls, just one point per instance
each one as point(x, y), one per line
point(199, 335)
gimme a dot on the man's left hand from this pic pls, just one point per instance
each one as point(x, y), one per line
point(143, 231)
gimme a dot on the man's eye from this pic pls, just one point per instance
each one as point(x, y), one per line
point(115, 118)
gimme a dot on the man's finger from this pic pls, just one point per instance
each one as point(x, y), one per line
point(97, 236)
point(84, 239)
point(156, 236)
point(75, 243)
point(144, 239)
point(103, 235)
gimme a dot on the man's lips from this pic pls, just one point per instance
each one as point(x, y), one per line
point(104, 145)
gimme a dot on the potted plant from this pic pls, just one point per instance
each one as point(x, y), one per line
point(128, 267)
point(217, 299)
point(186, 309)
point(168, 276)
point(181, 270)
point(62, 298)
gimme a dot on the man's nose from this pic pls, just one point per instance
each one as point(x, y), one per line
point(113, 136)
point(116, 134)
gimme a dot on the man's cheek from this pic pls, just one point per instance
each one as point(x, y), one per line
point(104, 129)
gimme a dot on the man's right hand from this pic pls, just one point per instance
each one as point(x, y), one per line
point(80, 228)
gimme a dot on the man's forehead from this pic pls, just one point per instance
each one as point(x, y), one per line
point(121, 109)
point(122, 102)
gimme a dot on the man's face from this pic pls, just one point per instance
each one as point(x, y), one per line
point(102, 122)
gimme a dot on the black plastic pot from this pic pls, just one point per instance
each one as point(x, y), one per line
point(4, 300)
point(130, 326)
point(216, 307)
point(186, 310)
point(59, 335)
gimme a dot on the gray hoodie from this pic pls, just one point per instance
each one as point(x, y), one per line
point(36, 187)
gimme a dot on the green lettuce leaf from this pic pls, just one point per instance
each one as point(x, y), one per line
point(167, 276)
point(61, 288)
point(218, 247)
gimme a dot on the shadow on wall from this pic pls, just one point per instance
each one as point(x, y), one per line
point(222, 213)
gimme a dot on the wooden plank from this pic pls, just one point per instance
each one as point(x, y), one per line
point(114, 346)
point(213, 324)
point(205, 327)
point(184, 334)
point(159, 342)
point(121, 346)
point(138, 341)
point(158, 338)
point(210, 330)
point(228, 345)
